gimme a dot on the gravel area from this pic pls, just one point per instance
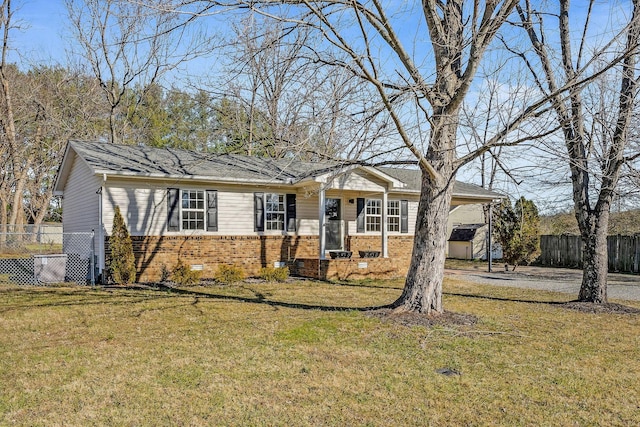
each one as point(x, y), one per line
point(620, 286)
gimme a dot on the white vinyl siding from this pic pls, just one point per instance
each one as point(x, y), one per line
point(145, 209)
point(307, 215)
point(81, 201)
point(358, 181)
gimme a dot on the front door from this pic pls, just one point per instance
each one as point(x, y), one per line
point(333, 224)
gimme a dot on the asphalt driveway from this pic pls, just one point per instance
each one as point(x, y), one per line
point(620, 286)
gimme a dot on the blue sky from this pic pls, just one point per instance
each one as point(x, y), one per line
point(41, 37)
point(44, 24)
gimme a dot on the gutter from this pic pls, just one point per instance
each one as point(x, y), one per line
point(186, 177)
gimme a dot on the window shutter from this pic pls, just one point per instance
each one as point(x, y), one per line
point(404, 216)
point(258, 210)
point(212, 210)
point(173, 209)
point(361, 214)
point(291, 212)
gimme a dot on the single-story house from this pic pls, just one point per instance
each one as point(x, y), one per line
point(209, 210)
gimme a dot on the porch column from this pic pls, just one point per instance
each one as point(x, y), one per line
point(321, 223)
point(385, 226)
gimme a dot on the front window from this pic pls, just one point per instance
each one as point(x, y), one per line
point(274, 211)
point(374, 215)
point(393, 215)
point(193, 210)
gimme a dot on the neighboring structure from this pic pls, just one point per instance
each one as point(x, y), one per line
point(467, 231)
point(468, 241)
point(210, 210)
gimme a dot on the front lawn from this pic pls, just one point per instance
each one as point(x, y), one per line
point(301, 353)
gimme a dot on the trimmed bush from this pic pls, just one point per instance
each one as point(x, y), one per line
point(122, 263)
point(273, 274)
point(165, 273)
point(182, 274)
point(229, 274)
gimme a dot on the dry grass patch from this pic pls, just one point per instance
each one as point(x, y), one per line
point(307, 353)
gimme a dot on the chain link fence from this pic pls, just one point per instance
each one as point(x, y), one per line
point(46, 256)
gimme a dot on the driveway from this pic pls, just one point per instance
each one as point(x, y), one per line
point(620, 286)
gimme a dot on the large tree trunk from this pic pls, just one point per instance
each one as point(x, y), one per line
point(584, 161)
point(594, 224)
point(3, 222)
point(16, 218)
point(595, 263)
point(423, 287)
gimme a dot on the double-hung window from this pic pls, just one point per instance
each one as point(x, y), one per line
point(369, 215)
point(274, 211)
point(373, 215)
point(393, 215)
point(193, 210)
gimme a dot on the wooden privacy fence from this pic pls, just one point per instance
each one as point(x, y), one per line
point(566, 251)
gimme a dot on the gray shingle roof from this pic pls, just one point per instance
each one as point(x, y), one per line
point(464, 233)
point(134, 160)
point(413, 179)
point(151, 161)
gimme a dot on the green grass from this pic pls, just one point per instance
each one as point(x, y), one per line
point(300, 354)
point(26, 250)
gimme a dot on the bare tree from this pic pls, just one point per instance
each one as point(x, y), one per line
point(420, 83)
point(421, 61)
point(595, 132)
point(41, 109)
point(68, 105)
point(10, 147)
point(493, 104)
point(279, 102)
point(128, 43)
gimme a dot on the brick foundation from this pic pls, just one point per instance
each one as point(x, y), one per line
point(251, 253)
point(399, 247)
point(353, 268)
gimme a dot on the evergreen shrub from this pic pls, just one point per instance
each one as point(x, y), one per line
point(274, 274)
point(122, 263)
point(228, 274)
point(182, 274)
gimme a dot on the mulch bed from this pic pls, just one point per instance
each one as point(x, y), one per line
point(608, 308)
point(448, 318)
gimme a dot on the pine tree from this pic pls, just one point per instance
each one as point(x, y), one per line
point(122, 264)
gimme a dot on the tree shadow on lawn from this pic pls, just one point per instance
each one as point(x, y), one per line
point(260, 298)
point(581, 306)
point(84, 296)
point(383, 312)
point(78, 296)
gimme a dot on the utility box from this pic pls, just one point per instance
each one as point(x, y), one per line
point(50, 268)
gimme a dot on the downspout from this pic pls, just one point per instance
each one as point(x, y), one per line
point(489, 232)
point(101, 254)
point(385, 226)
point(321, 223)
